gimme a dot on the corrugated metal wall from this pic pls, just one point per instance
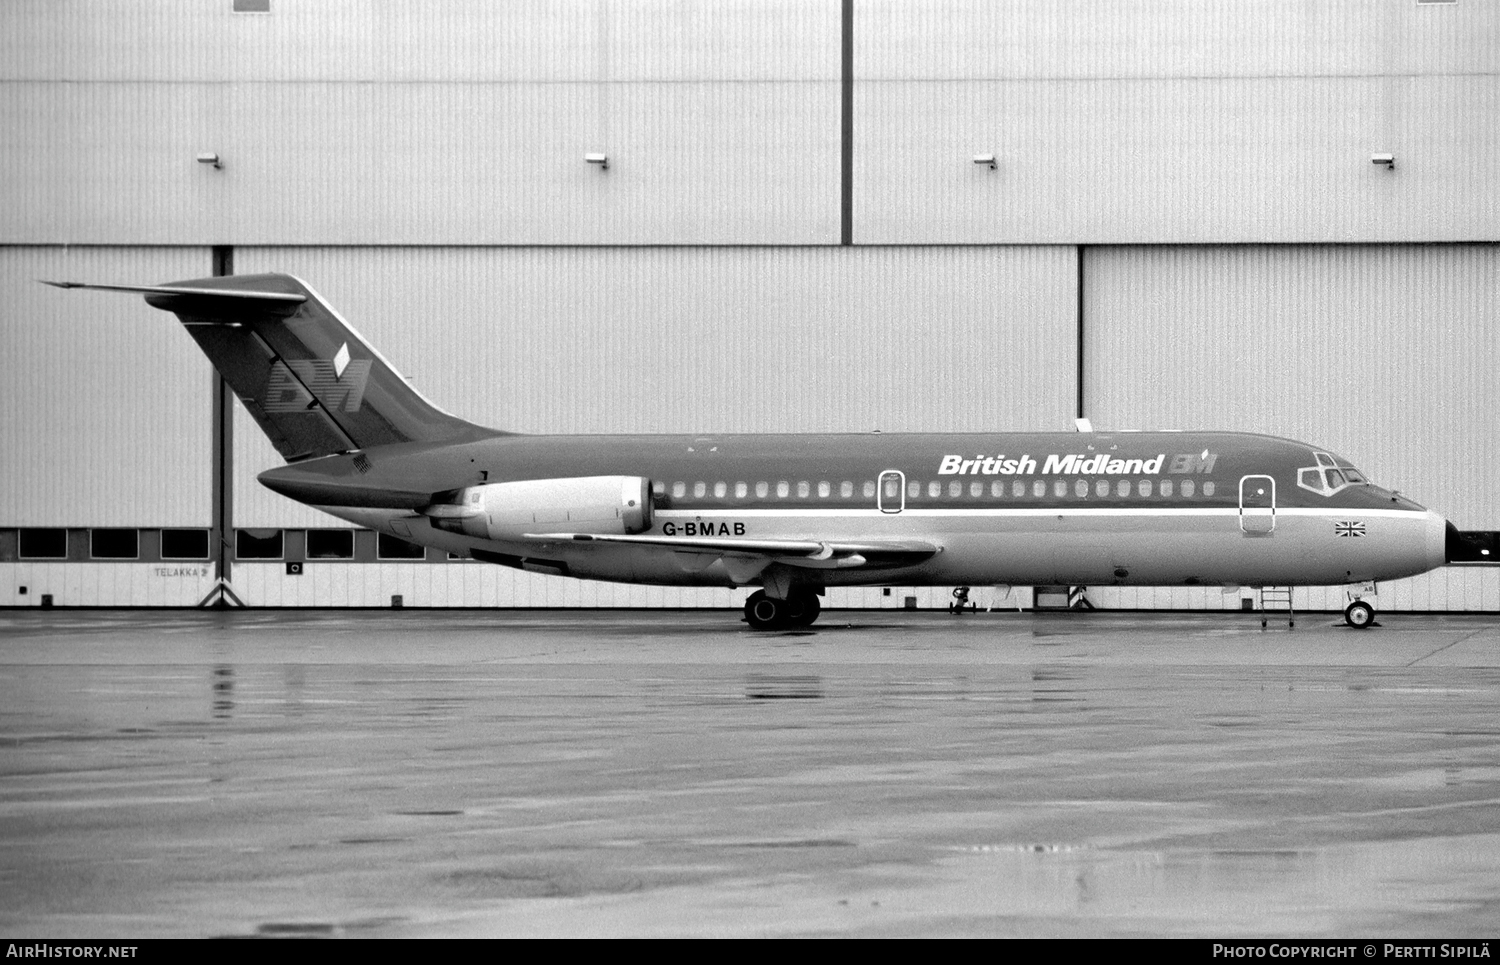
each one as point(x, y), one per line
point(431, 123)
point(1175, 122)
point(700, 339)
point(104, 405)
point(1177, 161)
point(439, 123)
point(1386, 354)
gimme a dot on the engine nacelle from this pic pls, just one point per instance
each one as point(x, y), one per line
point(612, 505)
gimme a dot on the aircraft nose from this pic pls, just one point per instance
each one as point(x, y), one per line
point(1453, 545)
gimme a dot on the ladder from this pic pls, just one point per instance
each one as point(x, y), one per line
point(1279, 600)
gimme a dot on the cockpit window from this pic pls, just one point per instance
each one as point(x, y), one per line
point(1327, 477)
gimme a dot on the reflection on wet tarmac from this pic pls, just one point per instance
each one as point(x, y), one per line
point(482, 774)
point(223, 687)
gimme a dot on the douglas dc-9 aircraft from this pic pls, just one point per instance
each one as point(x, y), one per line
point(789, 514)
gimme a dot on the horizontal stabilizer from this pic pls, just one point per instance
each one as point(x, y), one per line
point(290, 298)
point(208, 306)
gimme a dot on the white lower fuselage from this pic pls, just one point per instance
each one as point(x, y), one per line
point(1167, 546)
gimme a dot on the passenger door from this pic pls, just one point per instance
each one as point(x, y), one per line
point(1257, 505)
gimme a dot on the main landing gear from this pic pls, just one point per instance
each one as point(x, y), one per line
point(799, 609)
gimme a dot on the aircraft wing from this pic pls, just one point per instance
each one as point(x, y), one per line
point(743, 554)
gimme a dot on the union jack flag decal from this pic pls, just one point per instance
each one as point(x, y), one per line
point(1349, 528)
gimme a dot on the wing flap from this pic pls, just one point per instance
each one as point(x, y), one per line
point(810, 554)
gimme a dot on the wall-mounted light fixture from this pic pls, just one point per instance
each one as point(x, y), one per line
point(985, 159)
point(600, 159)
point(1389, 160)
point(208, 157)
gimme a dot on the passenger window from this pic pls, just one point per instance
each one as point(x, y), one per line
point(1039, 488)
point(955, 489)
point(1166, 487)
point(1059, 488)
point(934, 489)
point(679, 489)
point(658, 488)
point(824, 489)
point(700, 489)
point(1081, 488)
point(891, 491)
point(846, 490)
point(913, 489)
point(1122, 488)
point(869, 489)
point(1187, 487)
point(1143, 487)
point(741, 490)
point(1101, 488)
point(762, 489)
point(803, 489)
point(783, 489)
point(1208, 489)
point(976, 489)
point(997, 489)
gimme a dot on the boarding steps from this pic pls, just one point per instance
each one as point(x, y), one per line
point(1276, 599)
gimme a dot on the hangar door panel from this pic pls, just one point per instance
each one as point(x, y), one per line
point(107, 401)
point(1384, 354)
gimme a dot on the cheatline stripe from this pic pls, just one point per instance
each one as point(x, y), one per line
point(1338, 514)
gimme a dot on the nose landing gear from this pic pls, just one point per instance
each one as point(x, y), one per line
point(1359, 614)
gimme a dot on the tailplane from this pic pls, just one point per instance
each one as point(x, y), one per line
point(311, 382)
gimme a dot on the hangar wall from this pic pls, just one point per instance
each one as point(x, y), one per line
point(103, 410)
point(791, 234)
point(688, 339)
point(1386, 354)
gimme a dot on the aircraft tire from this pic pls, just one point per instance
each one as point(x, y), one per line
point(802, 609)
point(764, 613)
point(1359, 615)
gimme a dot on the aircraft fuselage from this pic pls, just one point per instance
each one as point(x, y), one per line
point(1094, 508)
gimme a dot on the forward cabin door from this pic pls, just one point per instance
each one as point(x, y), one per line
point(1257, 505)
point(890, 491)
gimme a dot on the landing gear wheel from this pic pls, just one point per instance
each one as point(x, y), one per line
point(1359, 614)
point(764, 613)
point(802, 609)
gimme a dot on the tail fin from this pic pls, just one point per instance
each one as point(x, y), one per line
point(311, 382)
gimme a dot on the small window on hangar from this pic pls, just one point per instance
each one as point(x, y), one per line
point(115, 544)
point(330, 544)
point(184, 544)
point(258, 544)
point(388, 547)
point(252, 6)
point(43, 544)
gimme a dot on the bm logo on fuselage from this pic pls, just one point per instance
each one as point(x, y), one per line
point(337, 390)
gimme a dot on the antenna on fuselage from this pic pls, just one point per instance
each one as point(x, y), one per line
point(1083, 425)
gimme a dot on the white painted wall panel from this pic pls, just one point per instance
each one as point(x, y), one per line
point(1472, 589)
point(104, 584)
point(578, 340)
point(1253, 159)
point(105, 403)
point(419, 585)
point(558, 41)
point(1385, 354)
point(420, 163)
